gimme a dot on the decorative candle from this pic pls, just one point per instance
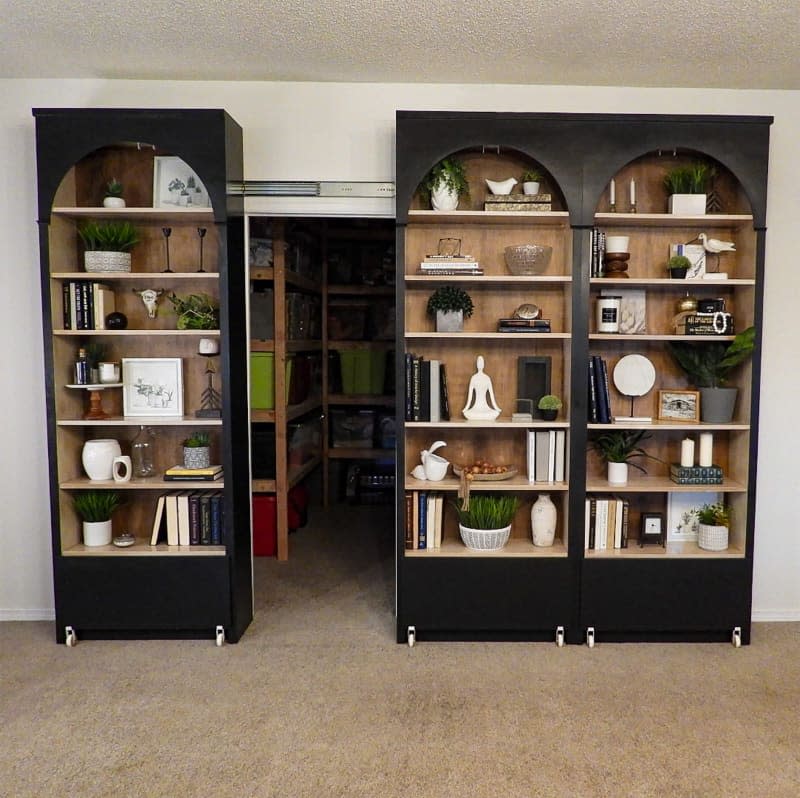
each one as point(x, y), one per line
point(611, 189)
point(208, 346)
point(687, 452)
point(633, 192)
point(706, 446)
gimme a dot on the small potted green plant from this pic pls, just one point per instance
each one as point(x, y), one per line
point(445, 184)
point(95, 507)
point(112, 197)
point(678, 266)
point(549, 405)
point(618, 448)
point(530, 181)
point(686, 186)
point(484, 521)
point(450, 305)
point(714, 522)
point(197, 450)
point(195, 311)
point(708, 364)
point(107, 245)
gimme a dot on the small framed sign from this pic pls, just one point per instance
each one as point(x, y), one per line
point(679, 406)
point(652, 529)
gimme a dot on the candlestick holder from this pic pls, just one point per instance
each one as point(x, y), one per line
point(615, 264)
point(613, 207)
point(167, 231)
point(632, 208)
point(201, 232)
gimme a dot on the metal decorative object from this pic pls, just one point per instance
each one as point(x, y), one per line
point(210, 399)
point(201, 232)
point(167, 231)
point(527, 311)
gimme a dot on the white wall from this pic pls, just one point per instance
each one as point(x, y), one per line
point(345, 132)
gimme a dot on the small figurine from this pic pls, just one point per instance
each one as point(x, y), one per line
point(150, 298)
point(481, 404)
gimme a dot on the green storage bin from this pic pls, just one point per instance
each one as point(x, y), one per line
point(363, 371)
point(262, 380)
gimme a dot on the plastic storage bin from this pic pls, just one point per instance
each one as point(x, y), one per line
point(262, 380)
point(363, 371)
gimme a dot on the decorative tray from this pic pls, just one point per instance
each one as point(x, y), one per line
point(511, 472)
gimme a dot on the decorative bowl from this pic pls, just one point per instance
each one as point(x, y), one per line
point(527, 259)
point(484, 539)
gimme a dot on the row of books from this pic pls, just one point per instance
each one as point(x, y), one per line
point(189, 518)
point(546, 451)
point(424, 511)
point(597, 250)
point(599, 396)
point(86, 304)
point(606, 523)
point(426, 396)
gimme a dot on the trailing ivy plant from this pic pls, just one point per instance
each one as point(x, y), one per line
point(716, 514)
point(195, 312)
point(449, 172)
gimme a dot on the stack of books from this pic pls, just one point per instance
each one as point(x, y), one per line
point(449, 265)
point(606, 523)
point(523, 325)
point(189, 518)
point(546, 455)
point(424, 511)
point(426, 396)
point(599, 396)
point(179, 473)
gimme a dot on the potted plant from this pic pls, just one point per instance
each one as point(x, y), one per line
point(484, 521)
point(530, 181)
point(107, 245)
point(549, 405)
point(708, 364)
point(197, 451)
point(678, 266)
point(445, 184)
point(618, 448)
point(714, 521)
point(95, 507)
point(450, 305)
point(686, 186)
point(195, 311)
point(113, 194)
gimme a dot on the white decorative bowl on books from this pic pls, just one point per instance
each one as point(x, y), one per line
point(98, 261)
point(528, 259)
point(484, 539)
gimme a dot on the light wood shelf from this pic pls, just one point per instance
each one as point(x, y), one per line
point(648, 484)
point(150, 483)
point(515, 547)
point(137, 421)
point(518, 483)
point(672, 551)
point(147, 215)
point(673, 220)
point(552, 218)
point(105, 277)
point(142, 548)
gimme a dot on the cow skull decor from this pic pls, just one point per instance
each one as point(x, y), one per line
point(150, 297)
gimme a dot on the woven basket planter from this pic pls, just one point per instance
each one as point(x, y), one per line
point(712, 538)
point(196, 456)
point(484, 539)
point(98, 261)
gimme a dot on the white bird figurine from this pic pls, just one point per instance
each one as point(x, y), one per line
point(501, 186)
point(715, 245)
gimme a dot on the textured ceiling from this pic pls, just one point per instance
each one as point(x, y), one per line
point(684, 43)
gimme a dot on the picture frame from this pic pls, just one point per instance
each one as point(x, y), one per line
point(177, 185)
point(152, 386)
point(682, 509)
point(652, 530)
point(679, 405)
point(533, 379)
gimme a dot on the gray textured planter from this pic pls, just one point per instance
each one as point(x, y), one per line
point(196, 457)
point(450, 321)
point(717, 405)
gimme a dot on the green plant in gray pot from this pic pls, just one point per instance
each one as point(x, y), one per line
point(450, 305)
point(107, 244)
point(197, 450)
point(708, 365)
point(95, 507)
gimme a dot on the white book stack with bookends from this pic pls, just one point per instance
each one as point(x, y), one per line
point(546, 455)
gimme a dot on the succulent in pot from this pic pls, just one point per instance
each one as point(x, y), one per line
point(531, 178)
point(549, 405)
point(196, 450)
point(112, 197)
point(678, 266)
point(450, 305)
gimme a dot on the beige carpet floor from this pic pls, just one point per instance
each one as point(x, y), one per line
point(317, 700)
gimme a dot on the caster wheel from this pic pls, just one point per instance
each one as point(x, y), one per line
point(560, 636)
point(412, 636)
point(736, 637)
point(220, 636)
point(590, 637)
point(72, 638)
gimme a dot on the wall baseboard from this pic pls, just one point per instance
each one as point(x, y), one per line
point(766, 616)
point(28, 615)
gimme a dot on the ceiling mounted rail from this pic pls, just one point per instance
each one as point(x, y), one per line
point(310, 188)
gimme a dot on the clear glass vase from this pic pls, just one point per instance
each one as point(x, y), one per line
point(143, 453)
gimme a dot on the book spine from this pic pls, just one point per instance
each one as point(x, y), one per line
point(606, 391)
point(194, 520)
point(76, 289)
point(592, 393)
point(205, 520)
point(425, 391)
point(409, 368)
point(65, 289)
point(625, 511)
point(216, 520)
point(444, 404)
point(592, 523)
point(416, 385)
point(409, 517)
point(422, 514)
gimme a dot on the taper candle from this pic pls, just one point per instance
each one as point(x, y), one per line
point(633, 192)
point(687, 452)
point(611, 190)
point(706, 448)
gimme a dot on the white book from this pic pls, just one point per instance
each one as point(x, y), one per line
point(561, 455)
point(183, 519)
point(171, 506)
point(587, 523)
point(531, 451)
point(551, 455)
point(600, 529)
point(436, 409)
point(542, 454)
point(104, 303)
point(430, 509)
point(618, 525)
point(439, 514)
point(159, 514)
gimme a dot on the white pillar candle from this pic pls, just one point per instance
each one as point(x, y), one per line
point(633, 192)
point(687, 452)
point(706, 447)
point(611, 188)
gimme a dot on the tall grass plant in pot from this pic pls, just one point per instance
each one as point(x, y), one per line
point(484, 521)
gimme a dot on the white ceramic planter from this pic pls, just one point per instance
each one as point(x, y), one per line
point(113, 202)
point(530, 187)
point(617, 473)
point(98, 458)
point(443, 199)
point(450, 321)
point(96, 261)
point(712, 537)
point(687, 204)
point(484, 539)
point(96, 533)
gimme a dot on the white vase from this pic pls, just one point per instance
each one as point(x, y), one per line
point(444, 198)
point(543, 521)
point(96, 533)
point(617, 473)
point(98, 458)
point(530, 187)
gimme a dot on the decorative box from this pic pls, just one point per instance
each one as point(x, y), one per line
point(695, 475)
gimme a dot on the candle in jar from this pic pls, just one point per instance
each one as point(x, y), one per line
point(611, 189)
point(706, 446)
point(633, 192)
point(687, 452)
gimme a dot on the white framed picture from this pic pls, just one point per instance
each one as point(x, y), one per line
point(152, 386)
point(682, 508)
point(176, 184)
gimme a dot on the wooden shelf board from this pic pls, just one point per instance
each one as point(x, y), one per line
point(150, 483)
point(665, 282)
point(516, 547)
point(262, 346)
point(142, 548)
point(556, 218)
point(361, 290)
point(672, 220)
point(177, 215)
point(263, 486)
point(478, 335)
point(672, 425)
point(502, 421)
point(646, 484)
point(262, 273)
point(302, 345)
point(137, 421)
point(516, 483)
point(361, 345)
point(490, 279)
point(360, 399)
point(354, 453)
point(673, 551)
point(295, 411)
point(149, 276)
point(297, 473)
point(140, 333)
point(648, 337)
point(267, 416)
point(299, 281)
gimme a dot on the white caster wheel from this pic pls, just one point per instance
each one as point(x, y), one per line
point(412, 636)
point(220, 633)
point(560, 636)
point(590, 637)
point(72, 638)
point(736, 637)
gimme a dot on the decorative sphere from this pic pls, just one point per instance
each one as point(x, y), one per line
point(116, 321)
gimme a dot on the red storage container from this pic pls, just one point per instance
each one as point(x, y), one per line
point(265, 536)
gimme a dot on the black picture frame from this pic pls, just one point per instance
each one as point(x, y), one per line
point(533, 379)
point(653, 529)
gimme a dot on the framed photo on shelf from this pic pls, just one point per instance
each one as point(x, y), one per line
point(652, 530)
point(533, 379)
point(152, 386)
point(679, 406)
point(176, 184)
point(682, 509)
